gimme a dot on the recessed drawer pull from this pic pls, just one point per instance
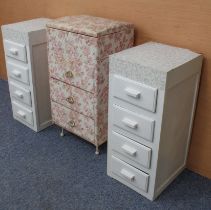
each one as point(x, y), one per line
point(130, 123)
point(16, 73)
point(70, 100)
point(13, 51)
point(71, 123)
point(128, 175)
point(133, 93)
point(69, 74)
point(21, 114)
point(19, 94)
point(129, 150)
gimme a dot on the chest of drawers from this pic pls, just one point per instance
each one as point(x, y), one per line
point(78, 50)
point(152, 95)
point(25, 46)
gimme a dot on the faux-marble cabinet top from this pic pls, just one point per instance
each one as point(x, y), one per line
point(78, 50)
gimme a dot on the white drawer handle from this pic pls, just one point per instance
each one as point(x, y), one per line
point(130, 123)
point(21, 114)
point(16, 73)
point(133, 93)
point(18, 93)
point(129, 150)
point(13, 51)
point(128, 175)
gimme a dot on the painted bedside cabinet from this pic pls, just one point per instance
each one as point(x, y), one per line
point(78, 50)
point(25, 46)
point(152, 96)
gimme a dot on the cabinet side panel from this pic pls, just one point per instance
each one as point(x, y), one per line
point(177, 120)
point(107, 45)
point(41, 78)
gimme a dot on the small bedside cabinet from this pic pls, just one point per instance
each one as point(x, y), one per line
point(25, 47)
point(152, 96)
point(78, 50)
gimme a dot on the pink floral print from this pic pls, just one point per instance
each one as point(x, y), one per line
point(73, 121)
point(101, 105)
point(89, 25)
point(72, 97)
point(115, 42)
point(78, 50)
point(74, 53)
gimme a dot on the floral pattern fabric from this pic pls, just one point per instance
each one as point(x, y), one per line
point(89, 25)
point(75, 53)
point(101, 105)
point(86, 57)
point(72, 97)
point(83, 126)
point(115, 42)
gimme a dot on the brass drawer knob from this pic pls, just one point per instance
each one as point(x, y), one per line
point(69, 74)
point(71, 123)
point(70, 100)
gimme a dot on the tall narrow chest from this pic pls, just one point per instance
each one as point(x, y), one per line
point(78, 50)
point(25, 46)
point(152, 97)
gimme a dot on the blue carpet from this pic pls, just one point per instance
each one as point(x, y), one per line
point(42, 171)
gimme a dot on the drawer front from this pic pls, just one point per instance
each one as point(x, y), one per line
point(15, 50)
point(22, 113)
point(72, 58)
point(134, 93)
point(131, 175)
point(133, 123)
point(20, 93)
point(72, 97)
point(18, 72)
point(135, 153)
point(73, 121)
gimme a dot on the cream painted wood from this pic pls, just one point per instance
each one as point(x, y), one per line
point(22, 113)
point(18, 72)
point(15, 50)
point(175, 74)
point(135, 93)
point(25, 46)
point(139, 125)
point(132, 176)
point(135, 153)
point(20, 93)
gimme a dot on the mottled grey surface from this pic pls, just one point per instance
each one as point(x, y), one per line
point(149, 63)
point(138, 73)
point(18, 32)
point(41, 171)
point(156, 56)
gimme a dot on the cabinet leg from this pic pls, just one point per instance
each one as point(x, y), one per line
point(97, 150)
point(62, 133)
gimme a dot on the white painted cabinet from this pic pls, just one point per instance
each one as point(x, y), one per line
point(25, 47)
point(152, 95)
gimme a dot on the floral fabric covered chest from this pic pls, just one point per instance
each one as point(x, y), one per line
point(78, 51)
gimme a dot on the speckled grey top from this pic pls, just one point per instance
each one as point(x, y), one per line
point(149, 63)
point(18, 32)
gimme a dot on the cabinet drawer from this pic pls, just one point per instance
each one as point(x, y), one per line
point(18, 72)
point(133, 123)
point(20, 93)
point(15, 50)
point(72, 58)
point(134, 93)
point(131, 175)
point(73, 121)
point(131, 151)
point(22, 113)
point(72, 97)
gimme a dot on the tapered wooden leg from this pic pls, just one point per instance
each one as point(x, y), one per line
point(62, 133)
